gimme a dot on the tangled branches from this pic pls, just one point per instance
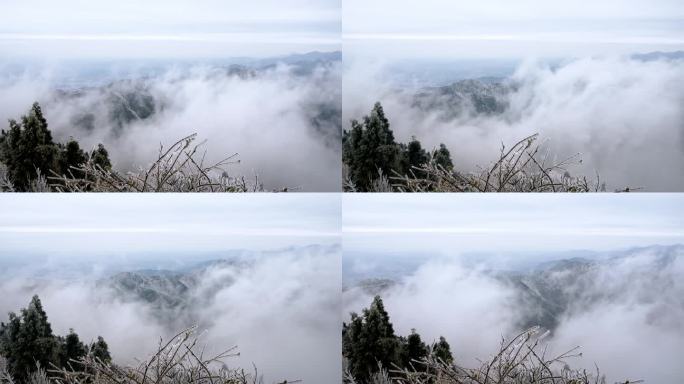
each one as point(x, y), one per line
point(39, 376)
point(177, 361)
point(520, 168)
point(521, 360)
point(177, 169)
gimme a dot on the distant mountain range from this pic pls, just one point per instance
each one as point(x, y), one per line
point(486, 95)
point(558, 288)
point(304, 63)
point(653, 56)
point(481, 96)
point(123, 102)
point(132, 97)
point(172, 293)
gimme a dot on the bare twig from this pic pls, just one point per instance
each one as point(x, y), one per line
point(176, 169)
point(176, 361)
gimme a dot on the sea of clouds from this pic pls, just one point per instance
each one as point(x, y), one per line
point(626, 318)
point(280, 310)
point(270, 117)
point(623, 116)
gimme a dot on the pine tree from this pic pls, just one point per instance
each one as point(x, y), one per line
point(100, 157)
point(27, 148)
point(9, 343)
point(71, 155)
point(72, 349)
point(28, 340)
point(414, 349)
point(369, 147)
point(442, 157)
point(100, 350)
point(416, 154)
point(413, 156)
point(370, 340)
point(442, 351)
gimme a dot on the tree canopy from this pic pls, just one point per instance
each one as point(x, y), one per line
point(28, 150)
point(27, 340)
point(369, 340)
point(369, 148)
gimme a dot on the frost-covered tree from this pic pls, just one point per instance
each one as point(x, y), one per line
point(100, 350)
point(368, 340)
point(370, 150)
point(368, 147)
point(71, 349)
point(26, 147)
point(28, 151)
point(413, 349)
point(442, 157)
point(441, 351)
point(27, 339)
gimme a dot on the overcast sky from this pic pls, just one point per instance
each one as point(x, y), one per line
point(112, 223)
point(167, 29)
point(505, 29)
point(509, 222)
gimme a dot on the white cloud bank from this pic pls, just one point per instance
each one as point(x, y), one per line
point(269, 119)
point(282, 312)
point(626, 318)
point(625, 117)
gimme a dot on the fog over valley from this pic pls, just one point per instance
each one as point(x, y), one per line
point(259, 302)
point(608, 113)
point(274, 114)
point(600, 83)
point(622, 311)
point(604, 275)
point(248, 272)
point(259, 85)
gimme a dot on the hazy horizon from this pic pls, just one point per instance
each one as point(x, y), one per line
point(567, 71)
point(205, 28)
point(259, 82)
point(520, 222)
point(497, 29)
point(176, 222)
point(480, 268)
point(71, 249)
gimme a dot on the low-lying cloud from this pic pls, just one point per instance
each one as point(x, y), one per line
point(284, 124)
point(624, 116)
point(280, 310)
point(624, 313)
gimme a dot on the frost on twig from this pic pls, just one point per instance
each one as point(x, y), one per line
point(178, 168)
point(180, 360)
point(521, 168)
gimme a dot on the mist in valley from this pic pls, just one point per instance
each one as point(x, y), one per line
point(610, 113)
point(241, 270)
point(274, 115)
point(279, 310)
point(602, 81)
point(608, 282)
point(623, 314)
point(258, 81)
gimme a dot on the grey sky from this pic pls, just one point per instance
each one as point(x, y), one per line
point(111, 223)
point(509, 222)
point(499, 28)
point(174, 28)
